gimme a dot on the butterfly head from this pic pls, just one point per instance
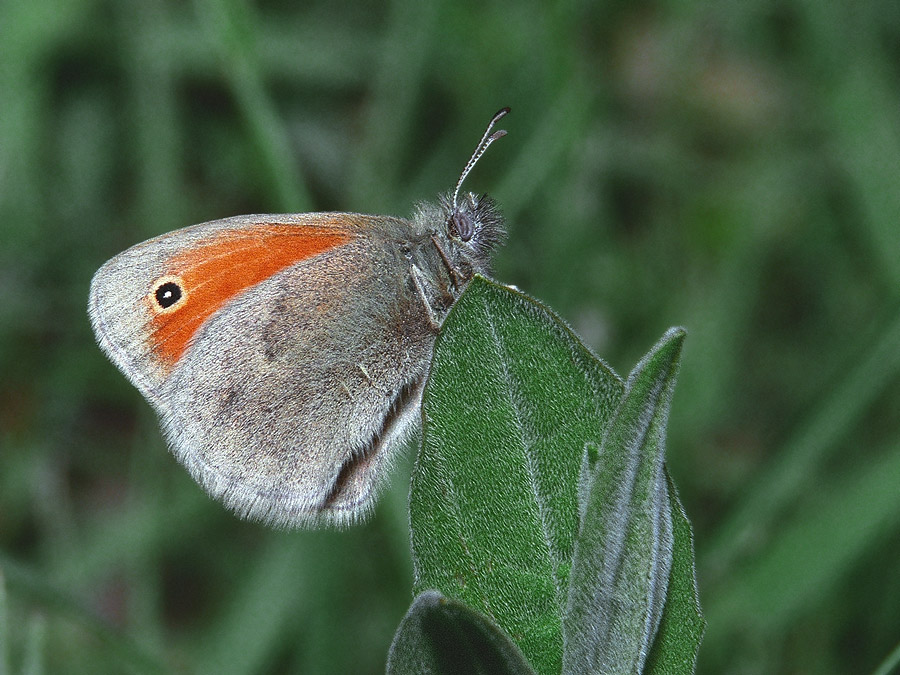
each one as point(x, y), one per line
point(467, 227)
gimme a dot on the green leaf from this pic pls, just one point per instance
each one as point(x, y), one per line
point(512, 402)
point(442, 636)
point(35, 646)
point(810, 555)
point(4, 628)
point(21, 580)
point(681, 628)
point(890, 662)
point(623, 554)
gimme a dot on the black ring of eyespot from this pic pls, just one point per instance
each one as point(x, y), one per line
point(167, 294)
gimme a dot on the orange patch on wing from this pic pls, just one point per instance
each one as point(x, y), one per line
point(217, 270)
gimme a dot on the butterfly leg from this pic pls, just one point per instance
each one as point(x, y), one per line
point(455, 276)
point(419, 280)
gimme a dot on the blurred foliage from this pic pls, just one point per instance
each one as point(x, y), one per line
point(731, 167)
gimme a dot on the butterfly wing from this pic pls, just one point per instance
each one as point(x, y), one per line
point(285, 355)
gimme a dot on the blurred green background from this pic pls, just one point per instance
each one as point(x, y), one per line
point(731, 167)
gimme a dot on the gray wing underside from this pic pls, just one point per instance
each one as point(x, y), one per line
point(291, 399)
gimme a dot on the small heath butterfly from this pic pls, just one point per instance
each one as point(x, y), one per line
point(286, 354)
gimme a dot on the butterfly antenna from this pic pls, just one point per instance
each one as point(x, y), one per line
point(483, 145)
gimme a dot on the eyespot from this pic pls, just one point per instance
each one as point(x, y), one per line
point(167, 294)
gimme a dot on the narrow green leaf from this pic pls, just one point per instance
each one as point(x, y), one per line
point(35, 646)
point(232, 27)
point(4, 628)
point(271, 590)
point(512, 401)
point(890, 662)
point(623, 553)
point(826, 432)
point(681, 628)
point(36, 589)
point(442, 636)
point(812, 552)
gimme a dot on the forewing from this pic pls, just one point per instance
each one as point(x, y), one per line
point(281, 385)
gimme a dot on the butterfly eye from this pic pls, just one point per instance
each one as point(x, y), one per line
point(461, 225)
point(168, 294)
